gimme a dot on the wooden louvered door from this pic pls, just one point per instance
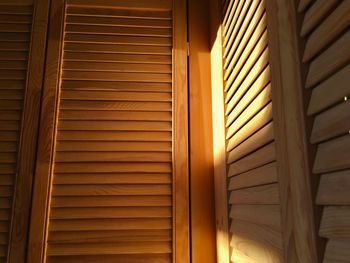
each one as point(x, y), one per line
point(116, 125)
point(325, 28)
point(255, 221)
point(21, 70)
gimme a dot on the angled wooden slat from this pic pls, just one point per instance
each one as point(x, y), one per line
point(333, 155)
point(256, 141)
point(268, 215)
point(259, 158)
point(114, 31)
point(108, 201)
point(115, 115)
point(231, 19)
point(331, 123)
point(335, 223)
point(331, 60)
point(111, 105)
point(334, 189)
point(130, 258)
point(330, 28)
point(101, 39)
point(325, 95)
point(315, 14)
point(103, 167)
point(112, 178)
point(337, 250)
point(114, 136)
point(257, 122)
point(266, 194)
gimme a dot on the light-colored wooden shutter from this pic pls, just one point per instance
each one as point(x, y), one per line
point(254, 203)
point(21, 69)
point(118, 191)
point(325, 28)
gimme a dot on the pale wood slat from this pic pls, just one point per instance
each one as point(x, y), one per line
point(325, 95)
point(331, 123)
point(257, 122)
point(120, 212)
point(335, 222)
point(331, 60)
point(101, 39)
point(268, 215)
point(333, 155)
point(334, 188)
point(110, 224)
point(330, 28)
point(337, 251)
point(106, 157)
point(111, 236)
point(112, 178)
point(102, 167)
point(114, 136)
point(232, 17)
point(109, 248)
point(116, 30)
point(105, 146)
point(259, 158)
point(315, 14)
point(266, 174)
point(130, 258)
point(256, 141)
point(266, 194)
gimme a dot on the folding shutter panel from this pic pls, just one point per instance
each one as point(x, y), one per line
point(20, 85)
point(119, 169)
point(326, 30)
point(254, 203)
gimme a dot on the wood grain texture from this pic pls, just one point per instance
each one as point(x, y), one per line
point(335, 222)
point(337, 250)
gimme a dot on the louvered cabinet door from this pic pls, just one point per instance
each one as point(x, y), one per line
point(325, 28)
point(254, 201)
point(118, 175)
point(21, 70)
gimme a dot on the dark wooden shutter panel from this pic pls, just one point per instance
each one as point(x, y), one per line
point(255, 215)
point(326, 31)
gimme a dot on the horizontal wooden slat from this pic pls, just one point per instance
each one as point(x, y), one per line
point(103, 167)
point(110, 157)
point(13, 65)
point(266, 194)
point(15, 19)
point(332, 123)
point(257, 122)
point(12, 84)
point(115, 115)
point(337, 250)
point(20, 28)
point(325, 95)
point(107, 201)
point(112, 85)
point(101, 39)
point(121, 58)
point(114, 136)
point(130, 258)
point(20, 37)
point(266, 174)
point(328, 30)
point(116, 30)
point(112, 178)
point(125, 4)
point(7, 157)
point(331, 60)
point(120, 22)
point(23, 9)
point(110, 236)
point(8, 146)
point(123, 212)
point(110, 224)
point(334, 189)
point(111, 105)
point(315, 14)
point(108, 67)
point(109, 248)
point(85, 125)
point(9, 114)
point(333, 155)
point(14, 46)
point(335, 222)
point(9, 125)
point(259, 158)
point(5, 202)
point(269, 215)
point(9, 136)
point(88, 146)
